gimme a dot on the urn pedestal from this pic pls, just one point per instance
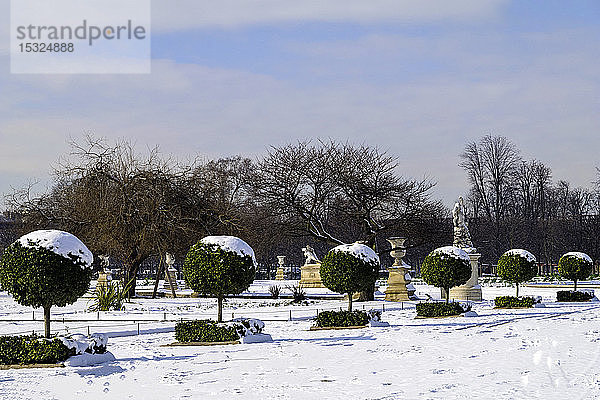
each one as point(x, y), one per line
point(280, 275)
point(399, 279)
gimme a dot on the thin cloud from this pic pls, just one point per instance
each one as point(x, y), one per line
point(176, 15)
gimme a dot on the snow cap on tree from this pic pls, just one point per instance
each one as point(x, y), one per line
point(231, 243)
point(62, 243)
point(360, 251)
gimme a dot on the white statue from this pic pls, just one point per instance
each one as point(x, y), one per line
point(311, 257)
point(169, 259)
point(462, 238)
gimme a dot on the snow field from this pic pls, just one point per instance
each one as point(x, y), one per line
point(550, 353)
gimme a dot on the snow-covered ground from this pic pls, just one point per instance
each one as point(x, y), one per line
point(548, 353)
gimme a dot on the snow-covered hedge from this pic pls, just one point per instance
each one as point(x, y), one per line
point(36, 350)
point(515, 302)
point(341, 318)
point(32, 350)
point(568, 295)
point(437, 309)
point(210, 331)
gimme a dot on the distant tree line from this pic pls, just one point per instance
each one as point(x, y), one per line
point(139, 206)
point(515, 203)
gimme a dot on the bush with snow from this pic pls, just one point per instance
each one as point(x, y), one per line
point(349, 268)
point(516, 302)
point(218, 266)
point(517, 266)
point(94, 344)
point(205, 331)
point(329, 319)
point(568, 295)
point(437, 309)
point(446, 267)
point(575, 266)
point(210, 331)
point(46, 268)
point(32, 350)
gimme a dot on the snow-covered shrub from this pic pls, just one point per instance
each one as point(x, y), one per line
point(341, 318)
point(46, 268)
point(205, 331)
point(219, 265)
point(575, 266)
point(350, 268)
point(446, 267)
point(248, 326)
point(569, 295)
point(374, 315)
point(436, 309)
point(32, 350)
point(517, 266)
point(93, 344)
point(515, 302)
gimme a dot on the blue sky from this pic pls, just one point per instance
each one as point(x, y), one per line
point(419, 79)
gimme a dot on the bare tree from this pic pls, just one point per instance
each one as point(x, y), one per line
point(121, 203)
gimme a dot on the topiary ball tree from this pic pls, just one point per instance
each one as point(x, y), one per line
point(46, 268)
point(575, 266)
point(349, 268)
point(446, 267)
point(219, 265)
point(516, 266)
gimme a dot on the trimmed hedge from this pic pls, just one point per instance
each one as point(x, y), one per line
point(343, 272)
point(516, 268)
point(32, 349)
point(575, 267)
point(341, 318)
point(569, 295)
point(441, 309)
point(442, 270)
point(204, 331)
point(514, 302)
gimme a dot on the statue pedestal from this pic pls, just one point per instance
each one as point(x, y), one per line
point(280, 275)
point(398, 285)
point(310, 276)
point(172, 274)
point(470, 290)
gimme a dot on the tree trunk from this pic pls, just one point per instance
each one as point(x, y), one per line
point(350, 301)
point(47, 322)
point(161, 267)
point(447, 290)
point(131, 275)
point(574, 285)
point(517, 289)
point(220, 309)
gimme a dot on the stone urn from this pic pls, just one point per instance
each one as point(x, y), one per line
point(280, 276)
point(399, 280)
